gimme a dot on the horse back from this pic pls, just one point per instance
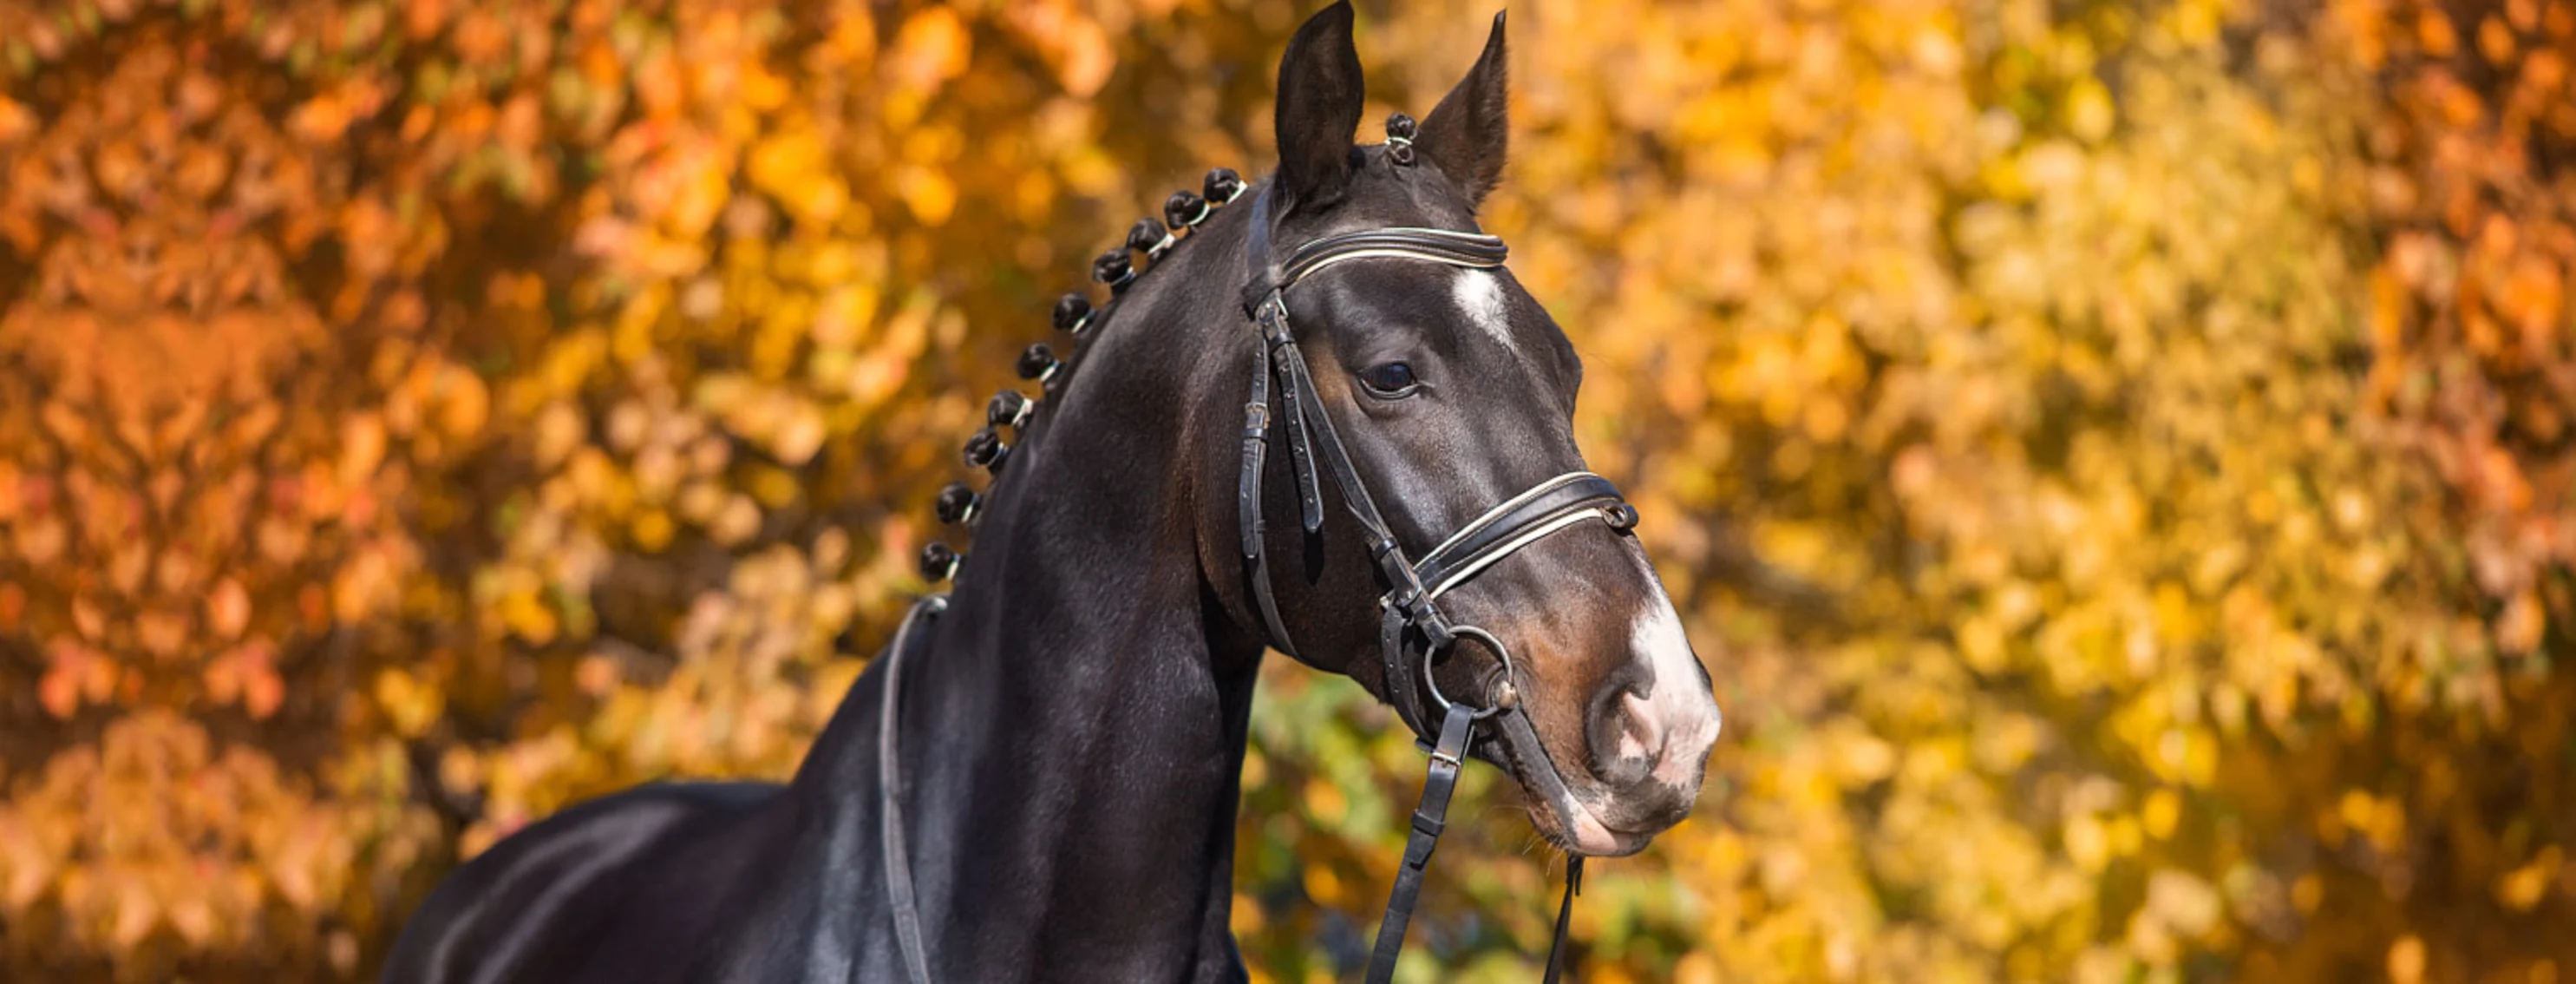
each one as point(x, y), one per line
point(537, 905)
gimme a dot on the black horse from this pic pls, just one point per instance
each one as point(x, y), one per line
point(1072, 727)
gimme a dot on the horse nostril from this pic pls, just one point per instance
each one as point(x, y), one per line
point(1645, 727)
point(1626, 738)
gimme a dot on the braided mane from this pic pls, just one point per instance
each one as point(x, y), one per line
point(958, 503)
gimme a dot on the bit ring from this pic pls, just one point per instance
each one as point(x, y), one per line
point(1432, 680)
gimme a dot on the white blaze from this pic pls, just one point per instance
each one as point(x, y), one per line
point(1481, 294)
point(1683, 712)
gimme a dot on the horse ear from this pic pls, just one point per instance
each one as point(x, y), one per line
point(1320, 93)
point(1467, 134)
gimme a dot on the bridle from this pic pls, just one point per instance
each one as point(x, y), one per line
point(1410, 605)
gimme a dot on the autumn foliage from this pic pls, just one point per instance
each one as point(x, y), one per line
point(2119, 461)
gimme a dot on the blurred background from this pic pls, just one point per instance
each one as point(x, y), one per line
point(2116, 459)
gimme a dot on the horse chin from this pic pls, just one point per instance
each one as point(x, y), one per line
point(1564, 816)
point(1575, 829)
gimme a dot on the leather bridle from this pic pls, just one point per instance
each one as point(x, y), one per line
point(1410, 605)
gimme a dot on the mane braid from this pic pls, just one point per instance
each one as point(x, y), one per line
point(958, 504)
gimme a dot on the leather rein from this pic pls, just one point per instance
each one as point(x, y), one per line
point(1410, 605)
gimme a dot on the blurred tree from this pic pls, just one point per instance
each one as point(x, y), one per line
point(2115, 457)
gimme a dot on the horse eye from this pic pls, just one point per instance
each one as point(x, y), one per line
point(1390, 378)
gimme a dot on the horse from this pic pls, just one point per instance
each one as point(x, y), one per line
point(1038, 778)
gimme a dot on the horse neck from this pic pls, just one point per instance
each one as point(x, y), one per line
point(1074, 730)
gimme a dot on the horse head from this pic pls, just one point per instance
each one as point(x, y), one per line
point(1449, 392)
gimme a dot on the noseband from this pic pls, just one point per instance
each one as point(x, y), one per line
point(1410, 605)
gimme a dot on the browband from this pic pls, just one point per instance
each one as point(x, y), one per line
point(1459, 249)
point(1472, 250)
